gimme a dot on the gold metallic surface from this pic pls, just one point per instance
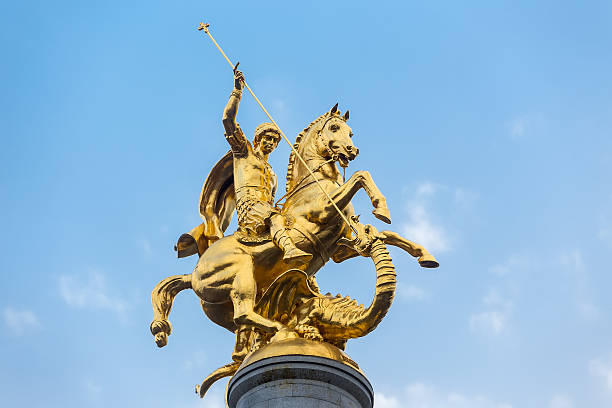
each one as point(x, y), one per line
point(259, 282)
point(301, 347)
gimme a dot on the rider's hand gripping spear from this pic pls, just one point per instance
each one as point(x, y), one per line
point(204, 27)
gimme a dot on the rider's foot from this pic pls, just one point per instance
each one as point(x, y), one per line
point(383, 214)
point(296, 257)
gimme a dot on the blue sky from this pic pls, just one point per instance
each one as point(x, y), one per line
point(486, 124)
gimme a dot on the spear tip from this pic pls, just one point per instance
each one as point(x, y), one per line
point(204, 27)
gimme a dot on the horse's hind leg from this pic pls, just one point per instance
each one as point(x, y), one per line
point(161, 299)
point(243, 297)
point(241, 349)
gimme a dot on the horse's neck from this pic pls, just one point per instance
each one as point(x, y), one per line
point(319, 165)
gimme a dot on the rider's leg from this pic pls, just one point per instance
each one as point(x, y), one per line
point(293, 255)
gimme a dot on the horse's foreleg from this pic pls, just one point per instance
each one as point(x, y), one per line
point(343, 195)
point(426, 260)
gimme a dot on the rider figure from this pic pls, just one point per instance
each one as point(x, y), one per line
point(255, 181)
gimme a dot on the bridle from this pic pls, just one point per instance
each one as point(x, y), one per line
point(325, 140)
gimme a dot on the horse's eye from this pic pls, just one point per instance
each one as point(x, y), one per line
point(334, 128)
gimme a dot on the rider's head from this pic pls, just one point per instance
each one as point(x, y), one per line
point(266, 138)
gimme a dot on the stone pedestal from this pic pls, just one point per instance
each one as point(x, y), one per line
point(319, 376)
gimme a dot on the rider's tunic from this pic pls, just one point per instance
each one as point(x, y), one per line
point(255, 184)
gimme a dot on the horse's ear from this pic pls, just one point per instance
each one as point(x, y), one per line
point(334, 109)
point(346, 115)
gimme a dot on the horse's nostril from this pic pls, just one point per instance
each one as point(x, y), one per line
point(349, 148)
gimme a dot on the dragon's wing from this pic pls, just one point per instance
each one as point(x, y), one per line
point(217, 204)
point(279, 299)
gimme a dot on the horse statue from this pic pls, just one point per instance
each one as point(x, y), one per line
point(237, 282)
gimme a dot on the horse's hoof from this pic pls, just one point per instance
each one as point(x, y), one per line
point(161, 339)
point(428, 261)
point(382, 214)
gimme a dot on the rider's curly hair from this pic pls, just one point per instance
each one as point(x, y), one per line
point(263, 128)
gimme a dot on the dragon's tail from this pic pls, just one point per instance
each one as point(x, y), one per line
point(225, 371)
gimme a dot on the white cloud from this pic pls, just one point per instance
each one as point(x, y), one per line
point(411, 293)
point(574, 263)
point(91, 293)
point(463, 198)
point(605, 220)
point(494, 319)
point(574, 260)
point(605, 234)
point(20, 321)
point(517, 127)
point(602, 369)
point(588, 309)
point(525, 126)
point(145, 245)
point(92, 387)
point(426, 188)
point(419, 395)
point(490, 322)
point(530, 125)
point(513, 264)
point(385, 401)
point(197, 360)
point(421, 227)
point(560, 401)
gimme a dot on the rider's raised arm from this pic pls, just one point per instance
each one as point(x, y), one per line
point(233, 133)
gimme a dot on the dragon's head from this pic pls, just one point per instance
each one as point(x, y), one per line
point(366, 235)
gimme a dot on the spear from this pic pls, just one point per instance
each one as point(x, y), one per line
point(204, 27)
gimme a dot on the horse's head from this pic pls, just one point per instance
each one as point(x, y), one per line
point(328, 138)
point(334, 138)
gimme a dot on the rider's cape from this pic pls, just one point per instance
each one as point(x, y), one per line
point(217, 204)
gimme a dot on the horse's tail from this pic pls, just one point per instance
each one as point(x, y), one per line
point(162, 298)
point(225, 371)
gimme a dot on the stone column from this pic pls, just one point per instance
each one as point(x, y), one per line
point(309, 380)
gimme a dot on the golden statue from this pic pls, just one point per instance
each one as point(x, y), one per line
point(259, 281)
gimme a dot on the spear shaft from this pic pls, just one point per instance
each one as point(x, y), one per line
point(204, 27)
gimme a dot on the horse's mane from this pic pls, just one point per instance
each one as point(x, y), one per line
point(292, 157)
